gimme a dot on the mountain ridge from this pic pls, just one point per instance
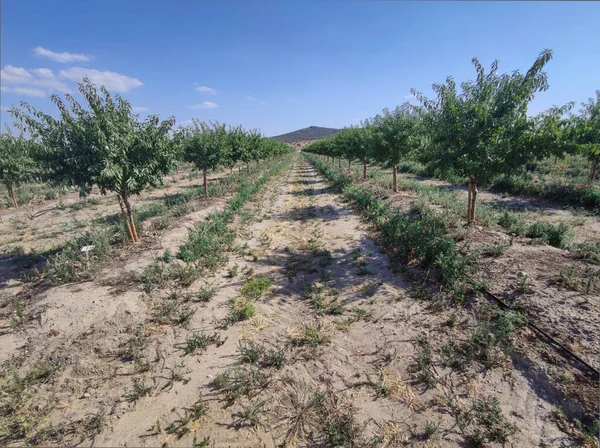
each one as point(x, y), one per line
point(306, 134)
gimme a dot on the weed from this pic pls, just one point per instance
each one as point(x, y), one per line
point(251, 412)
point(172, 312)
point(237, 382)
point(309, 335)
point(232, 272)
point(422, 367)
point(274, 358)
point(161, 222)
point(177, 375)
point(167, 256)
point(451, 322)
point(200, 342)
point(256, 287)
point(523, 284)
point(240, 309)
point(432, 426)
point(250, 352)
point(179, 427)
point(205, 293)
point(363, 270)
point(484, 423)
point(133, 350)
point(565, 378)
point(138, 390)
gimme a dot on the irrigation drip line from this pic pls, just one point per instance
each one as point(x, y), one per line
point(553, 341)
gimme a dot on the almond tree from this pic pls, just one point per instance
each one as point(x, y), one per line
point(17, 162)
point(205, 145)
point(483, 130)
point(103, 145)
point(587, 133)
point(398, 137)
point(554, 132)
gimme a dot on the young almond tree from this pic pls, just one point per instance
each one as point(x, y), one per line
point(104, 145)
point(17, 162)
point(483, 130)
point(398, 137)
point(205, 146)
point(553, 134)
point(587, 133)
point(235, 147)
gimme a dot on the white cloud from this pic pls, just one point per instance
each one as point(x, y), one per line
point(3, 108)
point(204, 105)
point(408, 97)
point(110, 80)
point(60, 57)
point(205, 89)
point(251, 98)
point(25, 91)
point(139, 109)
point(36, 82)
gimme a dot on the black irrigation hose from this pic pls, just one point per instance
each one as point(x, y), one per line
point(553, 341)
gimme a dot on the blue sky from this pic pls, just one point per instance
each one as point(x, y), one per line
point(283, 65)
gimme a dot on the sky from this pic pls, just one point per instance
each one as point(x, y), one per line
point(283, 65)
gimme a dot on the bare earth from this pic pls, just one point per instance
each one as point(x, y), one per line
point(83, 327)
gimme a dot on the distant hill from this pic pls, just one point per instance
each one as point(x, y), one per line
point(307, 134)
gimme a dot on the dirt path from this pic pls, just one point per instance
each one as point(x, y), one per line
point(332, 318)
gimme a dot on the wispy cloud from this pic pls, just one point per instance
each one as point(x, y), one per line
point(207, 90)
point(204, 105)
point(37, 82)
point(3, 108)
point(409, 96)
point(251, 98)
point(25, 91)
point(139, 109)
point(110, 80)
point(60, 57)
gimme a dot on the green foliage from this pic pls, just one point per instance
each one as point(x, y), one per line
point(17, 161)
point(587, 133)
point(483, 130)
point(105, 145)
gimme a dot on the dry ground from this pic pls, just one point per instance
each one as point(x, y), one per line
point(122, 372)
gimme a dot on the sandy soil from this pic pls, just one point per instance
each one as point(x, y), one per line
point(48, 224)
point(301, 233)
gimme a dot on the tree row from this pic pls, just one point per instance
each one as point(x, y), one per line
point(103, 144)
point(478, 130)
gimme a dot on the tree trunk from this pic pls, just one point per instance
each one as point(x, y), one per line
point(591, 178)
point(136, 238)
point(205, 182)
point(247, 166)
point(340, 162)
point(364, 170)
point(349, 163)
point(125, 217)
point(472, 200)
point(469, 195)
point(395, 180)
point(11, 194)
